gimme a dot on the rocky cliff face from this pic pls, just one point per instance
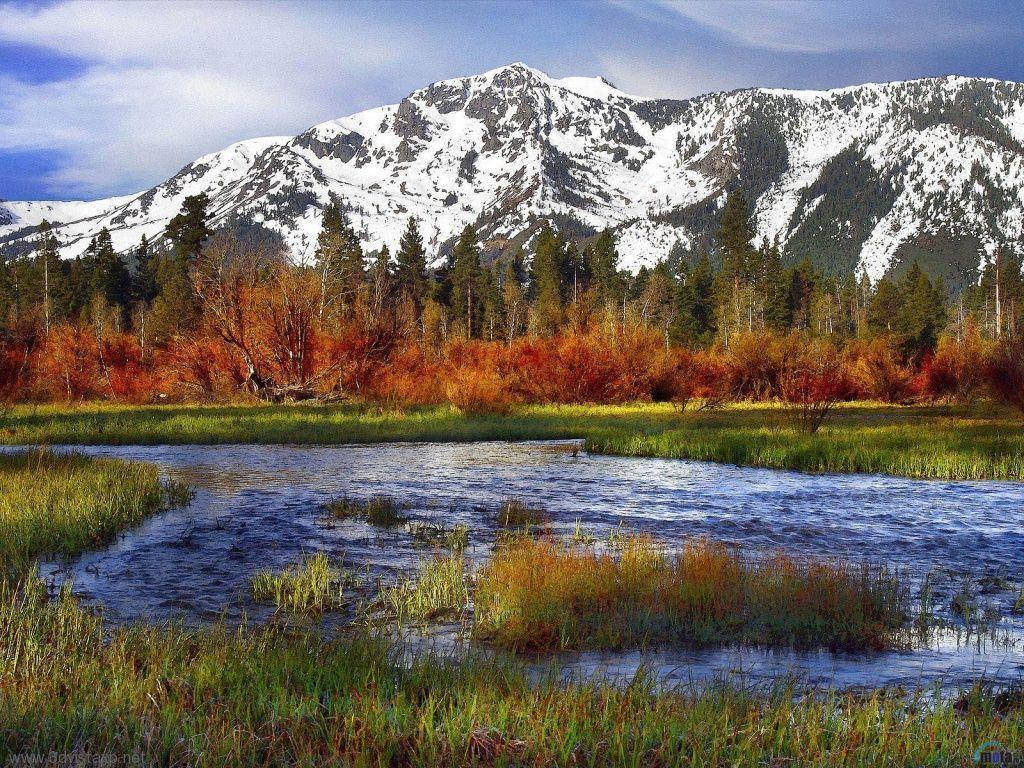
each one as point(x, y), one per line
point(873, 175)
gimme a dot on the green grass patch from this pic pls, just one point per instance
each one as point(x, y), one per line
point(382, 511)
point(61, 504)
point(925, 442)
point(440, 589)
point(217, 697)
point(544, 595)
point(313, 586)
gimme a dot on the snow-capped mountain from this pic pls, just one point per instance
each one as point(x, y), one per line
point(874, 175)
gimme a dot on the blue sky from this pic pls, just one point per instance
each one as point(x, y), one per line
point(112, 96)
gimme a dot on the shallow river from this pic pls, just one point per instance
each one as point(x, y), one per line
point(259, 506)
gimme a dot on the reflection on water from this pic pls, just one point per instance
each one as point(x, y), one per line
point(258, 507)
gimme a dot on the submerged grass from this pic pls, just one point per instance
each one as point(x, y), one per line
point(543, 595)
point(60, 504)
point(218, 697)
point(927, 442)
point(313, 586)
point(454, 539)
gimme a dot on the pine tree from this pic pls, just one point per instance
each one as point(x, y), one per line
point(144, 284)
point(603, 269)
point(382, 280)
point(49, 262)
point(547, 272)
point(188, 230)
point(694, 322)
point(885, 308)
point(513, 298)
point(777, 311)
point(176, 307)
point(466, 302)
point(923, 313)
point(339, 261)
point(733, 240)
point(411, 270)
point(110, 278)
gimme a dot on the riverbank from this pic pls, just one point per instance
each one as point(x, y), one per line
point(920, 442)
point(213, 697)
point(58, 505)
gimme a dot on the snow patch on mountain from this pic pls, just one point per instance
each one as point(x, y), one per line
point(861, 171)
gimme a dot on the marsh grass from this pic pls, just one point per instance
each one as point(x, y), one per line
point(439, 589)
point(381, 511)
point(313, 586)
point(57, 505)
point(921, 441)
point(516, 513)
point(215, 696)
point(544, 595)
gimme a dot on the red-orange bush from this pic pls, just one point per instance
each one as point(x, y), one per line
point(878, 372)
point(1005, 372)
point(957, 370)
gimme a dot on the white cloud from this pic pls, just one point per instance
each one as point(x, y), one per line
point(165, 82)
point(822, 26)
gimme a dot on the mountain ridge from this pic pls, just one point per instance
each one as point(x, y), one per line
point(867, 176)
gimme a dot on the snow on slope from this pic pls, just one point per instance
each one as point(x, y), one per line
point(857, 175)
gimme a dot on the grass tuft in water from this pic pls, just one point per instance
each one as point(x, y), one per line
point(544, 595)
point(516, 513)
point(454, 539)
point(314, 586)
point(382, 511)
point(440, 589)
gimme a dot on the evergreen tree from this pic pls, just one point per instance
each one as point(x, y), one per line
point(695, 298)
point(547, 272)
point(733, 238)
point(144, 284)
point(513, 298)
point(188, 230)
point(777, 311)
point(382, 278)
point(885, 308)
point(733, 241)
point(803, 282)
point(411, 270)
point(923, 313)
point(603, 268)
point(176, 307)
point(339, 260)
point(49, 266)
point(110, 277)
point(493, 302)
point(466, 301)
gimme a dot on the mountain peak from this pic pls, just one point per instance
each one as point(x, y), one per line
point(860, 177)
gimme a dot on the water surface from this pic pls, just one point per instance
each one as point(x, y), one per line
point(259, 506)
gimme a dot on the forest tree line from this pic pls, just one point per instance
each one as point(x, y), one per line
point(206, 313)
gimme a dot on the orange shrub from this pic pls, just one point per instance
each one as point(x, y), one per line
point(957, 370)
point(878, 372)
point(754, 365)
point(1005, 372)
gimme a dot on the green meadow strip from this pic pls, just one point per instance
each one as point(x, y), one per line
point(923, 442)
